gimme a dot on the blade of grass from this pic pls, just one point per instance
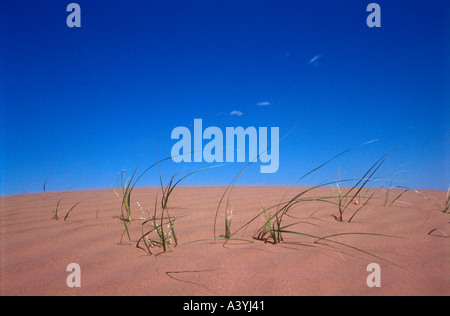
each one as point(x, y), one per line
point(127, 187)
point(168, 273)
point(365, 179)
point(347, 245)
point(55, 215)
point(324, 164)
point(71, 209)
point(447, 202)
point(362, 206)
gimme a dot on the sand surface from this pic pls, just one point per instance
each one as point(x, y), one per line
point(36, 249)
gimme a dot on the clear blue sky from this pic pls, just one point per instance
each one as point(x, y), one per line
point(78, 105)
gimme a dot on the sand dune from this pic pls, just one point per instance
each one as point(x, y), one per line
point(35, 249)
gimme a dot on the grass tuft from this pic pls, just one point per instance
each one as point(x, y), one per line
point(158, 230)
point(274, 229)
point(271, 229)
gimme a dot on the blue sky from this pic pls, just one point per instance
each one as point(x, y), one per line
point(78, 105)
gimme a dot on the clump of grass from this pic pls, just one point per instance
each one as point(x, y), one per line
point(163, 229)
point(282, 207)
point(126, 187)
point(162, 224)
point(273, 228)
point(157, 229)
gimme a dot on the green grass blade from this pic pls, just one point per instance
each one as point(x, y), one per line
point(71, 209)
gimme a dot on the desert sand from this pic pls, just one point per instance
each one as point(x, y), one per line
point(36, 249)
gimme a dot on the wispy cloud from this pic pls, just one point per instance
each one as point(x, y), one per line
point(236, 113)
point(264, 103)
point(315, 60)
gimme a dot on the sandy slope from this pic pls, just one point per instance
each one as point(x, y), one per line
point(35, 250)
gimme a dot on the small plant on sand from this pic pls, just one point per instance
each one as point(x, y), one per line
point(125, 186)
point(228, 219)
point(447, 202)
point(157, 229)
point(283, 207)
point(57, 213)
point(388, 193)
point(444, 207)
point(161, 224)
point(271, 229)
point(124, 194)
point(163, 229)
point(274, 229)
point(352, 196)
point(403, 189)
point(428, 197)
